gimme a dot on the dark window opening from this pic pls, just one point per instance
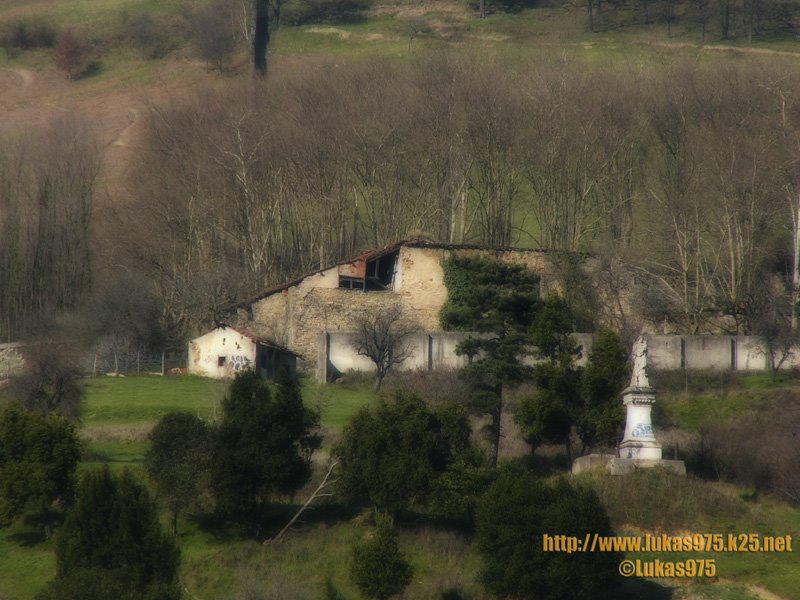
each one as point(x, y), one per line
point(221, 361)
point(380, 272)
point(351, 283)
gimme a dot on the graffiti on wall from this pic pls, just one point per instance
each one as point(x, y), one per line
point(239, 362)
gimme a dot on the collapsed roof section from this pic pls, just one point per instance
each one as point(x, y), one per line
point(382, 258)
point(370, 271)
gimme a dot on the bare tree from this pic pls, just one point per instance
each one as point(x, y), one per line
point(492, 132)
point(213, 35)
point(382, 337)
point(50, 381)
point(564, 170)
point(46, 192)
point(72, 54)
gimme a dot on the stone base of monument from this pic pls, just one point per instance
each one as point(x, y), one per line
point(614, 465)
point(642, 449)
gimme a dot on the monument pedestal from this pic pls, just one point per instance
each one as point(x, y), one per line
point(639, 448)
point(639, 442)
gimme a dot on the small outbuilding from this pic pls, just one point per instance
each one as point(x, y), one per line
point(225, 350)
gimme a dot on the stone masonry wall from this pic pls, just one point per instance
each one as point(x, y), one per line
point(297, 317)
point(11, 361)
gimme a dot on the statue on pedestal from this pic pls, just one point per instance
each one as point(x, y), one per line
point(639, 440)
point(639, 448)
point(639, 355)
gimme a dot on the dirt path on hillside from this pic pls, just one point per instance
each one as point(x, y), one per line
point(25, 74)
point(757, 590)
point(123, 138)
point(704, 48)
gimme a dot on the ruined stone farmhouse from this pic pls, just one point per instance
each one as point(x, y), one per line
point(311, 321)
point(309, 314)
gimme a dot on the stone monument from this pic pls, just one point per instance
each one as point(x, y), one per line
point(639, 448)
point(638, 398)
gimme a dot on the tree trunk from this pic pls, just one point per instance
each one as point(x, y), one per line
point(590, 11)
point(261, 37)
point(725, 17)
point(795, 262)
point(497, 417)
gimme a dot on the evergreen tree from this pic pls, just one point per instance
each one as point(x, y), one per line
point(498, 300)
point(605, 376)
point(549, 414)
point(392, 456)
point(378, 568)
point(264, 444)
point(38, 457)
point(513, 516)
point(111, 546)
point(179, 462)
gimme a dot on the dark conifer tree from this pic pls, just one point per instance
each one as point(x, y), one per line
point(111, 546)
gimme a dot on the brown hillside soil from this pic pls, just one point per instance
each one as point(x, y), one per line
point(28, 99)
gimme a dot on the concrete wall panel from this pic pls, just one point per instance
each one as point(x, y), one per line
point(664, 351)
point(708, 352)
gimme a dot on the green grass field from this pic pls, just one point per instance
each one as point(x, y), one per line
point(120, 411)
point(113, 401)
point(220, 562)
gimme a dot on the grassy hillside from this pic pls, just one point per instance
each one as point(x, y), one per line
point(218, 561)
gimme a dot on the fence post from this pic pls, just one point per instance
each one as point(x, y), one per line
point(138, 351)
point(162, 363)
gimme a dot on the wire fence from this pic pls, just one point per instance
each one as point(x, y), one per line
point(137, 360)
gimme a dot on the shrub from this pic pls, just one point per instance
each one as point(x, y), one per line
point(179, 462)
point(379, 569)
point(391, 457)
point(38, 458)
point(151, 37)
point(211, 34)
point(50, 380)
point(434, 387)
point(264, 444)
point(324, 11)
point(601, 417)
point(761, 450)
point(26, 34)
point(111, 546)
point(73, 54)
point(515, 513)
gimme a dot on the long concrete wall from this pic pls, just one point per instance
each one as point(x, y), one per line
point(715, 352)
point(427, 351)
point(437, 350)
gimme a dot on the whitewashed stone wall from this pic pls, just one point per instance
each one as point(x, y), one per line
point(237, 350)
